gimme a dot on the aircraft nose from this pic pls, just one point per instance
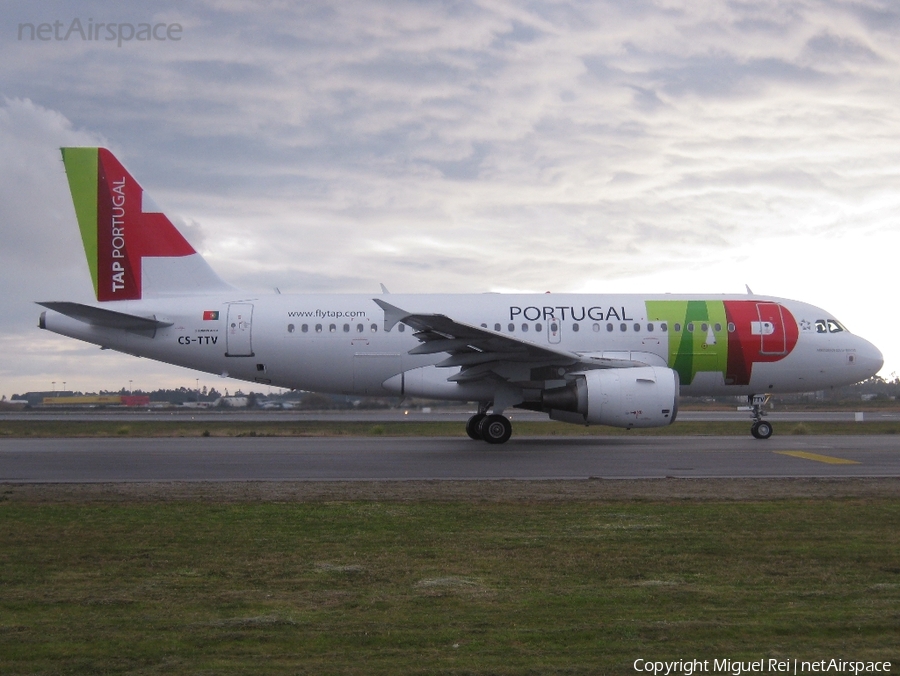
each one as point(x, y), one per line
point(869, 358)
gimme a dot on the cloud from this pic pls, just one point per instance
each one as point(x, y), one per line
point(36, 212)
point(828, 48)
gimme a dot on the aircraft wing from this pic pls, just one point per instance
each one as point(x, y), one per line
point(482, 353)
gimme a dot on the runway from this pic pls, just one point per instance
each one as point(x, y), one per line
point(368, 459)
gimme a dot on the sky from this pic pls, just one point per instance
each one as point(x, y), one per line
point(601, 146)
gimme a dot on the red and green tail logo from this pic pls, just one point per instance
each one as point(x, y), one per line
point(116, 230)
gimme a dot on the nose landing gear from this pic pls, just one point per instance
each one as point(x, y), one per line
point(760, 429)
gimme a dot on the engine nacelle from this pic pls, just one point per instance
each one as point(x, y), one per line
point(645, 396)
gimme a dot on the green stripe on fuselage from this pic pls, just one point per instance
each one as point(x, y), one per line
point(81, 169)
point(693, 351)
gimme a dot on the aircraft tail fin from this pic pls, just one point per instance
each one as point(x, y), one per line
point(133, 250)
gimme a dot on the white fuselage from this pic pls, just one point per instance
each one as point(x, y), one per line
point(338, 343)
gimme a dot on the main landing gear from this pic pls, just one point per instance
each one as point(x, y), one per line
point(760, 429)
point(494, 429)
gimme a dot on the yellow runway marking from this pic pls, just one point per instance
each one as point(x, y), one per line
point(818, 458)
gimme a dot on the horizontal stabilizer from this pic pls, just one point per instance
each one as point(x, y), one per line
point(109, 319)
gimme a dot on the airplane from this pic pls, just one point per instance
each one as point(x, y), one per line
point(591, 359)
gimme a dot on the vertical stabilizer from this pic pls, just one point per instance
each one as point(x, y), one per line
point(133, 251)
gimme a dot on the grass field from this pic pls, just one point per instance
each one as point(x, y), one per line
point(225, 428)
point(442, 587)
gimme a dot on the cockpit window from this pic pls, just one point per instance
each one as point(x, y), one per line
point(828, 326)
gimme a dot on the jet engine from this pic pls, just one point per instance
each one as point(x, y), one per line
point(645, 396)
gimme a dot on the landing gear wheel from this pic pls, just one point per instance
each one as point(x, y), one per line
point(472, 426)
point(495, 429)
point(761, 429)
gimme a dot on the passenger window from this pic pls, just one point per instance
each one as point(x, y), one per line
point(524, 328)
point(821, 327)
point(484, 326)
point(496, 327)
point(290, 328)
point(318, 328)
point(538, 327)
point(575, 328)
point(834, 327)
point(718, 327)
point(609, 327)
point(690, 327)
point(731, 327)
point(704, 327)
point(360, 328)
point(332, 328)
point(346, 328)
point(374, 328)
point(650, 327)
point(663, 327)
point(401, 328)
point(677, 327)
point(511, 328)
point(637, 327)
point(623, 326)
point(596, 328)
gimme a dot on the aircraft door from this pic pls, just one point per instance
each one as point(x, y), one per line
point(770, 329)
point(554, 330)
point(238, 335)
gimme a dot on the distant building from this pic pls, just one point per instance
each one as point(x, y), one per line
point(130, 400)
point(13, 404)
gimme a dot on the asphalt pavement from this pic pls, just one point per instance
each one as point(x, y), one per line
point(445, 458)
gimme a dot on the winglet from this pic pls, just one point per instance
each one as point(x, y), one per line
point(384, 289)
